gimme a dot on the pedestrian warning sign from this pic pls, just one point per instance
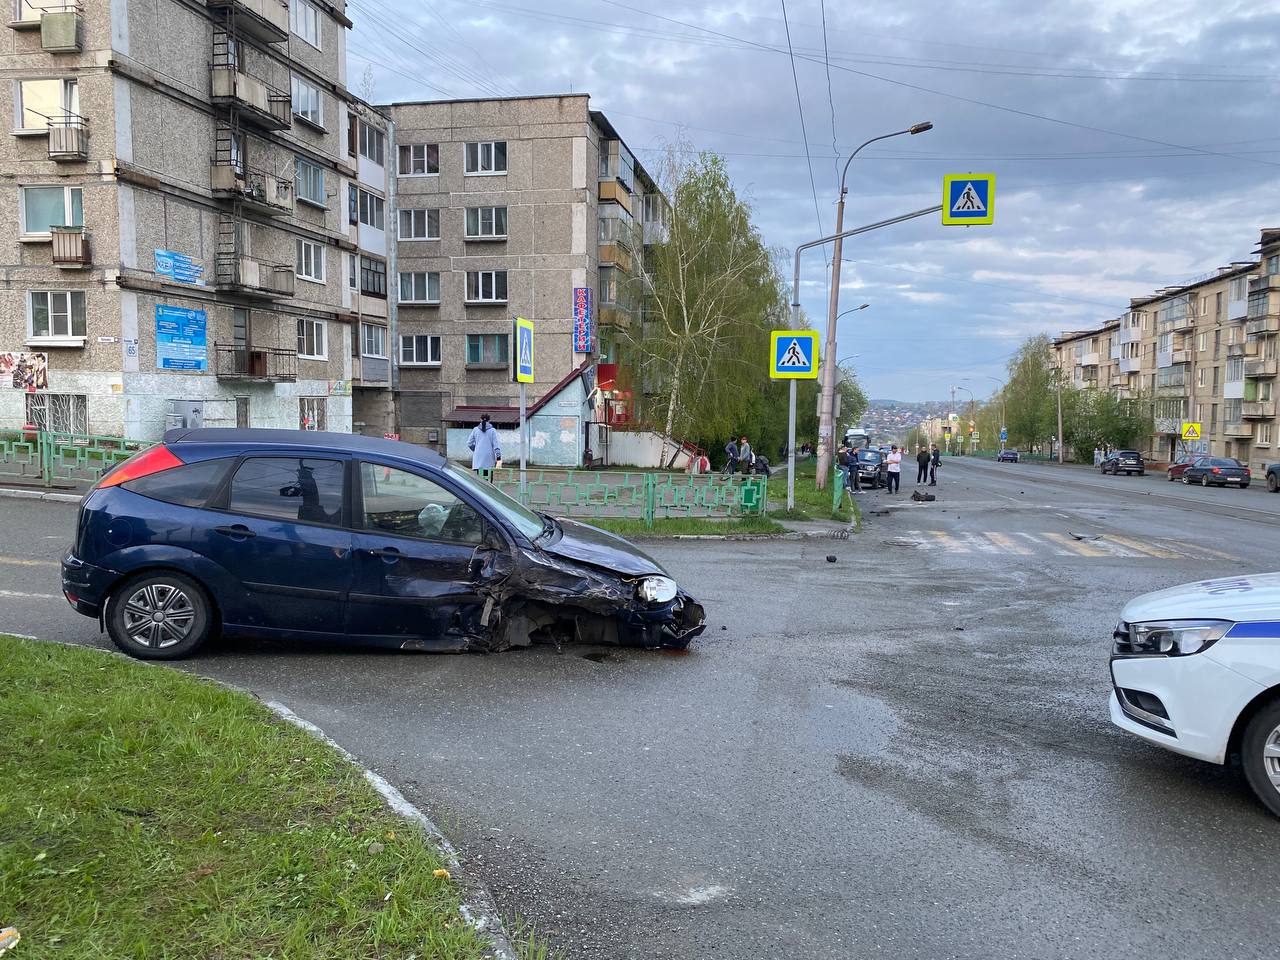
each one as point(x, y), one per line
point(524, 350)
point(968, 198)
point(793, 355)
point(1191, 431)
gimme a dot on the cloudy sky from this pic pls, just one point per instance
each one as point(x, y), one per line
point(1134, 141)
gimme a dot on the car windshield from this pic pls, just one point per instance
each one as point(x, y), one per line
point(515, 513)
point(868, 456)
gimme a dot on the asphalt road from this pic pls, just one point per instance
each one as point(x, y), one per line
point(904, 753)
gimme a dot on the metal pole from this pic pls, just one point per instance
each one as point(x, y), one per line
point(791, 449)
point(826, 418)
point(524, 443)
point(1058, 381)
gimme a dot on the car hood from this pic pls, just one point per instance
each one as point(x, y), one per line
point(588, 544)
point(1250, 597)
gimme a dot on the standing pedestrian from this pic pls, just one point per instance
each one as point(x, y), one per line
point(1097, 456)
point(483, 444)
point(744, 455)
point(731, 457)
point(842, 464)
point(935, 460)
point(922, 466)
point(895, 469)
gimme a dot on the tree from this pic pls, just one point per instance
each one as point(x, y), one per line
point(1030, 395)
point(1096, 418)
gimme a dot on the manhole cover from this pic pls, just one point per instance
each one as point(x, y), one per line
point(902, 542)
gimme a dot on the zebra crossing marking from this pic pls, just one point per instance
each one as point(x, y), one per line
point(1021, 544)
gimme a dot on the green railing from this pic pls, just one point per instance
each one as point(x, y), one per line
point(634, 494)
point(61, 459)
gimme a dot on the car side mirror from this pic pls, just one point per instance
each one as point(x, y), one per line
point(492, 539)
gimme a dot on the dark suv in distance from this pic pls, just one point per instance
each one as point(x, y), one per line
point(304, 535)
point(1124, 461)
point(872, 468)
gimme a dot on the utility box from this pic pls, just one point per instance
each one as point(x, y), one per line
point(60, 31)
point(184, 415)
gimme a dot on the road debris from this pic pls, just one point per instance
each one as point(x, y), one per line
point(9, 938)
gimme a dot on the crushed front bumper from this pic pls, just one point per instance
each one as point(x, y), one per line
point(668, 625)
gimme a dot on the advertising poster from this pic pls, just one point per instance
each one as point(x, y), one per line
point(24, 371)
point(179, 268)
point(181, 338)
point(583, 334)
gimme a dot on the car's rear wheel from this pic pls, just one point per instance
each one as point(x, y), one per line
point(1260, 755)
point(1204, 480)
point(159, 616)
point(1186, 478)
point(1273, 484)
point(1244, 486)
point(1169, 476)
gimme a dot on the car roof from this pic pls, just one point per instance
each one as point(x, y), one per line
point(248, 437)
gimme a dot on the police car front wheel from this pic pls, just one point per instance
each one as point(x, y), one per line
point(1260, 754)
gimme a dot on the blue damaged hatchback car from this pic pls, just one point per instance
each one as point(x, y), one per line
point(300, 535)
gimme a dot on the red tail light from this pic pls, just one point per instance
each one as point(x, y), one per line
point(1248, 472)
point(1217, 469)
point(154, 460)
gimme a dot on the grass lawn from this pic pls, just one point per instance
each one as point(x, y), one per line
point(811, 503)
point(145, 813)
point(690, 526)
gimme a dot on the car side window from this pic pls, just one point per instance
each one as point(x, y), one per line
point(397, 501)
point(190, 485)
point(291, 488)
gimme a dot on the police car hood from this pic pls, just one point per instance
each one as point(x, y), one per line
point(1250, 597)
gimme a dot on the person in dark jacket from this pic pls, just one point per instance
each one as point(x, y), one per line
point(922, 466)
point(731, 456)
point(935, 460)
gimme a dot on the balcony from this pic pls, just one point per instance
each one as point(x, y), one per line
point(616, 255)
point(57, 20)
point(1258, 410)
point(1130, 364)
point(261, 364)
point(1269, 324)
point(1177, 325)
point(1237, 429)
point(256, 190)
point(1264, 283)
point(612, 190)
point(1089, 359)
point(1236, 350)
point(258, 103)
point(68, 139)
point(1260, 369)
point(374, 372)
point(1181, 356)
point(70, 247)
point(265, 20)
point(255, 278)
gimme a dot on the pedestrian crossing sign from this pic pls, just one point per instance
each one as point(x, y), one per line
point(968, 198)
point(794, 355)
point(1191, 431)
point(524, 350)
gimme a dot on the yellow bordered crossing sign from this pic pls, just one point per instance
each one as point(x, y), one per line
point(968, 198)
point(793, 354)
point(1191, 431)
point(524, 350)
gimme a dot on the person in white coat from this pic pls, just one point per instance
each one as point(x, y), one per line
point(483, 444)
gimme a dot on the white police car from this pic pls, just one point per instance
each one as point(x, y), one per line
point(1196, 669)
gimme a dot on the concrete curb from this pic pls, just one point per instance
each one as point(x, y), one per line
point(478, 908)
point(14, 493)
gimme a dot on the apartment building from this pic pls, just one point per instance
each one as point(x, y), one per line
point(530, 207)
point(1205, 351)
point(183, 250)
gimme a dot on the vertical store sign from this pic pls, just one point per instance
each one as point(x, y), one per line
point(583, 332)
point(181, 338)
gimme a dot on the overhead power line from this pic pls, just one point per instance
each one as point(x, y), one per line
point(817, 212)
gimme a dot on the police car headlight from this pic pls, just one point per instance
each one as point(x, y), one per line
point(656, 589)
point(1174, 638)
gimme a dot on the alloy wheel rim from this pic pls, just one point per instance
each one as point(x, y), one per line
point(159, 615)
point(1271, 757)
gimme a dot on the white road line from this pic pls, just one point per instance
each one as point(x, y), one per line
point(23, 562)
point(19, 595)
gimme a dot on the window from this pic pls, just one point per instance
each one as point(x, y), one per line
point(373, 277)
point(419, 160)
point(486, 286)
point(58, 412)
point(311, 340)
point(353, 134)
point(1239, 288)
point(311, 413)
point(398, 502)
point(290, 488)
point(420, 350)
point(488, 157)
point(488, 223)
point(56, 313)
point(372, 210)
point(190, 485)
point(1200, 377)
point(373, 143)
point(310, 261)
point(353, 203)
point(353, 282)
point(304, 21)
point(1264, 435)
point(1235, 369)
point(608, 285)
point(40, 101)
point(46, 207)
point(487, 348)
point(418, 287)
point(307, 102)
point(1273, 265)
point(1231, 410)
point(419, 224)
point(375, 340)
point(308, 182)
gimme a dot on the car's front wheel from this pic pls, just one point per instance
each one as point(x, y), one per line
point(159, 616)
point(1169, 476)
point(1185, 478)
point(1204, 480)
point(1260, 755)
point(1273, 484)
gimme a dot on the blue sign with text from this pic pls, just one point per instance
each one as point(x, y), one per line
point(181, 338)
point(179, 267)
point(583, 334)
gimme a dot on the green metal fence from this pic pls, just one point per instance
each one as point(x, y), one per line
point(61, 459)
point(635, 494)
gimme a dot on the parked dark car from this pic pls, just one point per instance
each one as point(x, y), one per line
point(304, 535)
point(1179, 466)
point(1007, 456)
point(1124, 461)
point(873, 468)
point(1273, 477)
point(1217, 472)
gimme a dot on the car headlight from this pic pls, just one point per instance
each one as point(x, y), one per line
point(656, 589)
point(1172, 638)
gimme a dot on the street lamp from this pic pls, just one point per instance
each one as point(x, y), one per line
point(833, 311)
point(853, 309)
point(1003, 423)
point(972, 402)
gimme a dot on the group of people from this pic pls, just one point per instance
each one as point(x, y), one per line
point(927, 463)
point(739, 457)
